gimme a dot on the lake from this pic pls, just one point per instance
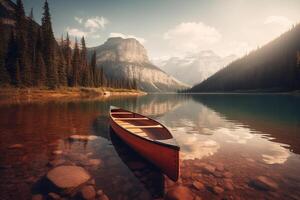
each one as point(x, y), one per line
point(234, 146)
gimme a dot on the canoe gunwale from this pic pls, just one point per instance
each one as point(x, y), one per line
point(159, 142)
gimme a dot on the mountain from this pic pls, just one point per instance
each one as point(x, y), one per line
point(273, 67)
point(194, 68)
point(126, 59)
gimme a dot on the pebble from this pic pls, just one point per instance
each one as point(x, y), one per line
point(83, 137)
point(227, 174)
point(57, 152)
point(68, 176)
point(228, 185)
point(16, 146)
point(198, 185)
point(218, 190)
point(207, 168)
point(219, 167)
point(179, 193)
point(88, 192)
point(264, 183)
point(37, 197)
point(53, 196)
point(94, 162)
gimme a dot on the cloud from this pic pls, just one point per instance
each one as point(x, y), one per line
point(192, 36)
point(280, 20)
point(78, 19)
point(96, 23)
point(76, 32)
point(141, 40)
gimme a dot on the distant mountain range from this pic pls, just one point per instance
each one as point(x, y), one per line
point(273, 67)
point(194, 68)
point(124, 59)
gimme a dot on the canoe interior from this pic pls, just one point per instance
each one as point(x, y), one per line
point(157, 132)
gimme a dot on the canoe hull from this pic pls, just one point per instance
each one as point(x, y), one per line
point(164, 157)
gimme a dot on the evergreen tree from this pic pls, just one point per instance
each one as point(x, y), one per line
point(85, 72)
point(75, 66)
point(25, 70)
point(62, 76)
point(4, 76)
point(11, 59)
point(39, 72)
point(67, 51)
point(93, 69)
point(31, 47)
point(49, 48)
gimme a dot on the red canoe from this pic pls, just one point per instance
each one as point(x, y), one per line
point(149, 138)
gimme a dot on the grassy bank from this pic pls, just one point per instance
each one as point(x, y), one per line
point(43, 94)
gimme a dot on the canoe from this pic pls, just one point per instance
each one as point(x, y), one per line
point(149, 138)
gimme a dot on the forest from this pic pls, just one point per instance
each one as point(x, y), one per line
point(32, 57)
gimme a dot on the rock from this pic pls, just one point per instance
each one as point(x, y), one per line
point(37, 197)
point(228, 185)
point(88, 192)
point(100, 192)
point(91, 182)
point(103, 197)
point(179, 193)
point(227, 174)
point(83, 137)
point(197, 198)
point(218, 190)
point(68, 176)
point(219, 167)
point(94, 162)
point(16, 146)
point(207, 168)
point(198, 185)
point(57, 152)
point(53, 196)
point(264, 183)
point(218, 174)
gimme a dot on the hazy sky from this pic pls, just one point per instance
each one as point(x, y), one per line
point(174, 27)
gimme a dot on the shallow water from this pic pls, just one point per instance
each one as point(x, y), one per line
point(226, 141)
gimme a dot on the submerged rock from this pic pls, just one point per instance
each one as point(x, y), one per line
point(179, 193)
point(88, 192)
point(16, 146)
point(218, 190)
point(53, 196)
point(37, 197)
point(264, 183)
point(68, 176)
point(94, 162)
point(198, 185)
point(83, 137)
point(57, 152)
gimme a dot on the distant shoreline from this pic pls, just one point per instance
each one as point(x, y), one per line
point(20, 95)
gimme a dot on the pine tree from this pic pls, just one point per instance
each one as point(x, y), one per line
point(25, 70)
point(49, 48)
point(75, 66)
point(93, 69)
point(39, 72)
point(67, 51)
point(62, 76)
point(31, 47)
point(4, 76)
point(11, 58)
point(85, 72)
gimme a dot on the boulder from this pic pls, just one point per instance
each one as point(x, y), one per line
point(264, 183)
point(68, 176)
point(88, 192)
point(179, 193)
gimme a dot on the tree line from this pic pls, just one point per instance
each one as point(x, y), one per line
point(33, 57)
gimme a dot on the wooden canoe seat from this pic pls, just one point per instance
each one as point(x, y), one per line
point(133, 126)
point(141, 118)
point(122, 113)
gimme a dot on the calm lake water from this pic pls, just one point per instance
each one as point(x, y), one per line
point(228, 142)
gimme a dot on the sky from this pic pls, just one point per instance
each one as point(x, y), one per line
point(169, 28)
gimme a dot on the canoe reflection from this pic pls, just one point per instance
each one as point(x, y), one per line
point(147, 174)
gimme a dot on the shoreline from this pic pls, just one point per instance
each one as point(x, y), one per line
point(22, 95)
